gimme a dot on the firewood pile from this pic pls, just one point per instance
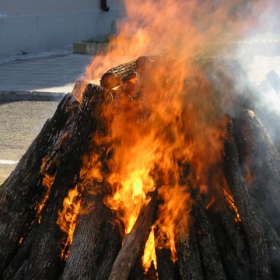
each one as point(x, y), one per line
point(209, 179)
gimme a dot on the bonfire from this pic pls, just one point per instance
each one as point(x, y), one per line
point(163, 171)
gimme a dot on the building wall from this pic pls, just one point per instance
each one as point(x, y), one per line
point(34, 25)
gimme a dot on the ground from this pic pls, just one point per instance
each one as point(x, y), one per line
point(20, 123)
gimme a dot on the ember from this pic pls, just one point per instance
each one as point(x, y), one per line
point(161, 172)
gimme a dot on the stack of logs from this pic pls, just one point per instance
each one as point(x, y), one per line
point(213, 245)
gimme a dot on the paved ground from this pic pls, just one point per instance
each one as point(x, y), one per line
point(56, 73)
point(20, 122)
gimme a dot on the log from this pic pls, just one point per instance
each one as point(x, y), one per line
point(65, 149)
point(165, 266)
point(134, 242)
point(96, 242)
point(188, 253)
point(117, 75)
point(210, 257)
point(44, 259)
point(230, 242)
point(255, 239)
point(21, 193)
point(259, 155)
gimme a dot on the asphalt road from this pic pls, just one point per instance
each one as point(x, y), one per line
point(20, 122)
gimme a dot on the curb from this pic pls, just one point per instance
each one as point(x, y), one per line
point(34, 95)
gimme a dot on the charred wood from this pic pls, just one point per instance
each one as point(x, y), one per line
point(210, 257)
point(230, 242)
point(96, 242)
point(134, 242)
point(20, 194)
point(260, 157)
point(188, 253)
point(117, 75)
point(255, 239)
point(165, 266)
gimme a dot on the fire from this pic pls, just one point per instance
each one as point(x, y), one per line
point(161, 137)
point(231, 204)
point(47, 183)
point(67, 218)
point(149, 252)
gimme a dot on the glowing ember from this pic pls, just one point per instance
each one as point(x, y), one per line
point(230, 201)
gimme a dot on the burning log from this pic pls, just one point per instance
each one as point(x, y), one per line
point(165, 266)
point(115, 76)
point(87, 194)
point(134, 242)
point(96, 242)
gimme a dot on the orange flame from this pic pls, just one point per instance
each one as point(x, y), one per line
point(47, 183)
point(67, 218)
point(150, 252)
point(231, 204)
point(177, 121)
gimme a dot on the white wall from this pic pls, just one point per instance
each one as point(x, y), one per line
point(34, 25)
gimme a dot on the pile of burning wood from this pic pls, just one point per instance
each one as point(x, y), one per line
point(162, 172)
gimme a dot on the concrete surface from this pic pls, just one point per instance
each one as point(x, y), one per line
point(20, 122)
point(51, 74)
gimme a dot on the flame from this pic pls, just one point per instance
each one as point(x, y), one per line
point(47, 183)
point(231, 204)
point(149, 252)
point(170, 117)
point(67, 218)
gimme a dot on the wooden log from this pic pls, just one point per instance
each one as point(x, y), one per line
point(134, 242)
point(165, 266)
point(188, 253)
point(210, 257)
point(230, 242)
point(117, 75)
point(96, 242)
point(20, 259)
point(20, 194)
point(262, 159)
point(255, 239)
point(44, 261)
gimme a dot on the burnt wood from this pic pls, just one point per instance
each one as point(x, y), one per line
point(134, 242)
point(251, 224)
